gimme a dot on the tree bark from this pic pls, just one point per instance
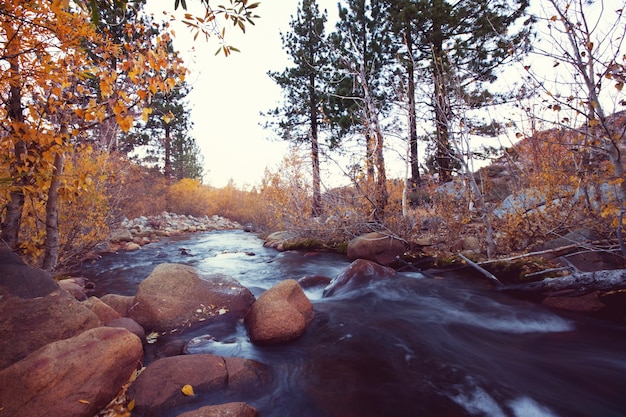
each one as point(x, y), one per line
point(18, 171)
point(51, 252)
point(591, 281)
point(415, 182)
point(167, 165)
point(442, 108)
point(316, 206)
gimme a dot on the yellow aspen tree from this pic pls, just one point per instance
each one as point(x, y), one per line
point(50, 107)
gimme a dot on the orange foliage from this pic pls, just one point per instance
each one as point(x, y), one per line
point(51, 56)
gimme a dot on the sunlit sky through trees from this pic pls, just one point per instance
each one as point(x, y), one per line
point(229, 93)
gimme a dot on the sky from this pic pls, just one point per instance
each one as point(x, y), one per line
point(230, 92)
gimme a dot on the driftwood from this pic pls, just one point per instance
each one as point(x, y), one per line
point(480, 269)
point(555, 252)
point(604, 280)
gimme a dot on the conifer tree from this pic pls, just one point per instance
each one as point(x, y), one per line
point(465, 42)
point(363, 52)
point(298, 120)
point(164, 137)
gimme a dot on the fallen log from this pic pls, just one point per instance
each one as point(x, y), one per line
point(604, 280)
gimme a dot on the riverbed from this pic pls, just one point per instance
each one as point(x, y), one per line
point(417, 345)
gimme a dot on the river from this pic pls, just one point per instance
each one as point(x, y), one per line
point(415, 346)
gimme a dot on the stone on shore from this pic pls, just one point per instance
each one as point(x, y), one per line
point(75, 377)
point(278, 240)
point(376, 247)
point(587, 303)
point(130, 325)
point(75, 286)
point(101, 309)
point(159, 386)
point(280, 314)
point(35, 311)
point(176, 297)
point(119, 303)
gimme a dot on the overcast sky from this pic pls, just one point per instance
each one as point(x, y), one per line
point(229, 93)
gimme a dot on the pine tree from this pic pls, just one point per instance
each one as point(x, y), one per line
point(363, 50)
point(460, 44)
point(298, 121)
point(164, 137)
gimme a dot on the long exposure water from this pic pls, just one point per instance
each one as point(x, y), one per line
point(413, 346)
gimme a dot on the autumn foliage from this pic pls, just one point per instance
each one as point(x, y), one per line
point(64, 82)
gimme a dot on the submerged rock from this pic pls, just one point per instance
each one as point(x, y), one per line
point(358, 274)
point(223, 410)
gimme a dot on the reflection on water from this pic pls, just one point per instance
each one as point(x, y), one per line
point(411, 346)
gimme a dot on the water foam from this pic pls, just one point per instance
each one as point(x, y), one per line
point(527, 407)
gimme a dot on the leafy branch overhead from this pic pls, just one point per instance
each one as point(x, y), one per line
point(240, 13)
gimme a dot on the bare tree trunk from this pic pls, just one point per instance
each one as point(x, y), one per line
point(51, 253)
point(370, 150)
point(415, 182)
point(589, 281)
point(167, 165)
point(379, 159)
point(316, 206)
point(19, 174)
point(442, 113)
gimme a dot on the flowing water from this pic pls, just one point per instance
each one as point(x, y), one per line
point(409, 347)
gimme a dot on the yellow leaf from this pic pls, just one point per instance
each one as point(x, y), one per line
point(131, 405)
point(167, 118)
point(145, 113)
point(187, 390)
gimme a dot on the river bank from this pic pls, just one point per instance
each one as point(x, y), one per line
point(583, 286)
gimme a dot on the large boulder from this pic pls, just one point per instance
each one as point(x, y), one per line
point(21, 280)
point(280, 314)
point(176, 296)
point(358, 274)
point(159, 386)
point(223, 410)
point(75, 377)
point(376, 247)
point(34, 311)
